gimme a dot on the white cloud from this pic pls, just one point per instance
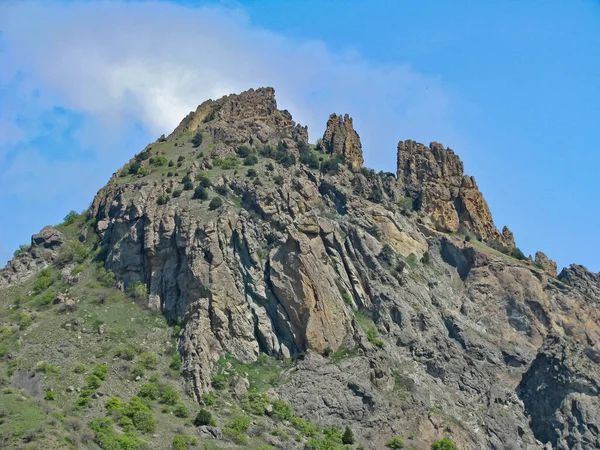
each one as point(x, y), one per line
point(157, 61)
point(121, 63)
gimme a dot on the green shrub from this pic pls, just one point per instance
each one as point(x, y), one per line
point(22, 249)
point(114, 406)
point(137, 371)
point(201, 193)
point(126, 424)
point(395, 442)
point(215, 203)
point(330, 166)
point(144, 421)
point(237, 428)
point(141, 415)
point(168, 395)
point(49, 396)
point(183, 442)
point(243, 151)
point(304, 427)
point(348, 437)
point(208, 398)
point(158, 161)
point(162, 138)
point(250, 160)
point(126, 352)
point(175, 362)
point(24, 320)
point(100, 371)
point(269, 167)
point(46, 367)
point(79, 368)
point(72, 251)
point(204, 181)
point(219, 382)
point(221, 189)
point(181, 410)
point(162, 199)
point(137, 290)
point(517, 253)
point(70, 218)
point(256, 403)
point(44, 280)
point(177, 193)
point(443, 444)
point(148, 360)
point(106, 277)
point(204, 417)
point(93, 382)
point(282, 410)
point(251, 173)
point(311, 160)
point(197, 140)
point(150, 391)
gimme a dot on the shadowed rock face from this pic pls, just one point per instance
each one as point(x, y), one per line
point(340, 138)
point(444, 335)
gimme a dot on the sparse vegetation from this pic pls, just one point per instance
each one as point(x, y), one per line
point(443, 444)
point(395, 442)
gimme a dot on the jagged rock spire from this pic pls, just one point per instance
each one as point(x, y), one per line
point(340, 138)
point(434, 177)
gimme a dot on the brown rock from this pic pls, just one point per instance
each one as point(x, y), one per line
point(340, 138)
point(434, 177)
point(545, 263)
point(508, 237)
point(250, 118)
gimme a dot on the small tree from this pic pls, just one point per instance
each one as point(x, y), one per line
point(197, 140)
point(443, 444)
point(201, 193)
point(348, 437)
point(204, 417)
point(215, 203)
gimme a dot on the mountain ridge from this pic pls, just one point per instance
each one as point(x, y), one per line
point(399, 302)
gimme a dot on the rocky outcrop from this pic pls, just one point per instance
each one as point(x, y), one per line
point(250, 118)
point(545, 263)
point(583, 280)
point(40, 253)
point(508, 238)
point(340, 138)
point(434, 178)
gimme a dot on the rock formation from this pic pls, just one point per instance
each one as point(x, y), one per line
point(340, 138)
point(249, 118)
point(434, 178)
point(545, 263)
point(40, 253)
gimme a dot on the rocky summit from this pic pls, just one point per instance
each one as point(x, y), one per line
point(235, 286)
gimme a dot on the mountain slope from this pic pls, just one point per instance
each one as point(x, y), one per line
point(388, 304)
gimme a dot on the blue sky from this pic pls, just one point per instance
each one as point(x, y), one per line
point(511, 86)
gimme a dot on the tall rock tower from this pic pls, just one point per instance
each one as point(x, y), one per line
point(340, 138)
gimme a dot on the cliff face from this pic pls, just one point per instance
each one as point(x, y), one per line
point(440, 335)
